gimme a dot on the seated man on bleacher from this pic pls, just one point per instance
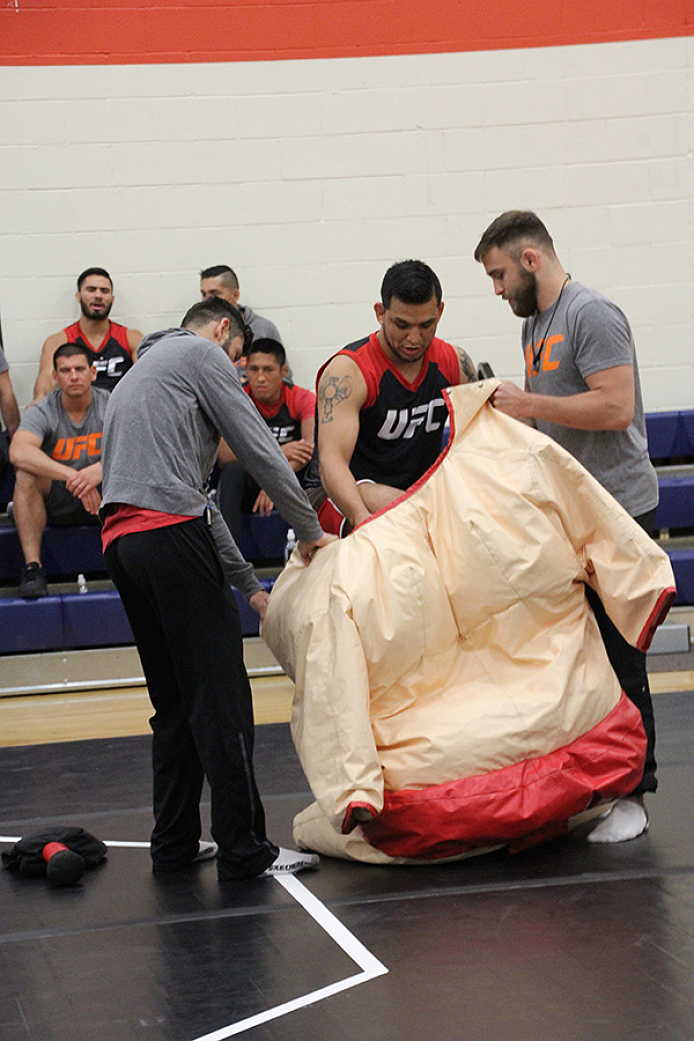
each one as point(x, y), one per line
point(56, 453)
point(221, 281)
point(112, 347)
point(9, 412)
point(289, 412)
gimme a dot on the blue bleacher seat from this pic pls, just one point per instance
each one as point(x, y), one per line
point(662, 430)
point(71, 621)
point(250, 622)
point(682, 561)
point(65, 552)
point(676, 506)
point(95, 619)
point(687, 431)
point(670, 435)
point(264, 538)
point(29, 626)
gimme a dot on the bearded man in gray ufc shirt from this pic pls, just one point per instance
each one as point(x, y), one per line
point(582, 389)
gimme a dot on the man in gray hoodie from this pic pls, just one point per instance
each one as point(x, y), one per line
point(161, 433)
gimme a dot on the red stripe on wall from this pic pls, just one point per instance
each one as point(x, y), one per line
point(65, 32)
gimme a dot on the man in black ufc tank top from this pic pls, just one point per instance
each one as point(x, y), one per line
point(381, 412)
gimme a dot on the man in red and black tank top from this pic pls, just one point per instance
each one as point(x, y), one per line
point(289, 412)
point(381, 412)
point(112, 347)
point(111, 359)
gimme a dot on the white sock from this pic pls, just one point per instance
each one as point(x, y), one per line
point(626, 820)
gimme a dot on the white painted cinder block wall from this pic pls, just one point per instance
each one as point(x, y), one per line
point(311, 177)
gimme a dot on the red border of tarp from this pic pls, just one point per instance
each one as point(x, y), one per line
point(518, 805)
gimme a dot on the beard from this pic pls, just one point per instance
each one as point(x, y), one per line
point(95, 315)
point(524, 300)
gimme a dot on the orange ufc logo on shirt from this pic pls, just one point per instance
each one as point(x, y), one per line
point(70, 449)
point(539, 356)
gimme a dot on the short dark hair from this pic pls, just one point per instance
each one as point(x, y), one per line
point(93, 271)
point(266, 345)
point(512, 228)
point(412, 282)
point(211, 310)
point(223, 271)
point(69, 350)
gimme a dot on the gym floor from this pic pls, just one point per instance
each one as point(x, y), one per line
point(566, 942)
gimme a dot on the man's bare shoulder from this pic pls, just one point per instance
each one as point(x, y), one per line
point(468, 373)
point(340, 364)
point(54, 341)
point(134, 339)
point(44, 384)
point(341, 385)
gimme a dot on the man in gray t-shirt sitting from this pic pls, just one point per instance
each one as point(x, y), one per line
point(56, 453)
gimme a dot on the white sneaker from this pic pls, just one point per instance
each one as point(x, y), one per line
point(289, 861)
point(626, 820)
point(207, 851)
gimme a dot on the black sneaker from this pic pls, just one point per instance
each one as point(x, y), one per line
point(33, 583)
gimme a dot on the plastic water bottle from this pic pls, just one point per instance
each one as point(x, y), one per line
point(291, 543)
point(81, 584)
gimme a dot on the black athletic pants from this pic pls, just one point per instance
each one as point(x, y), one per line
point(186, 625)
point(630, 666)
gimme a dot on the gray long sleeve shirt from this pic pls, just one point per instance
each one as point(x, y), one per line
point(161, 433)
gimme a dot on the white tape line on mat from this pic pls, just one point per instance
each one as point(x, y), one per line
point(371, 967)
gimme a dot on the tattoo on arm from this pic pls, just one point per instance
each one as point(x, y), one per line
point(333, 390)
point(467, 366)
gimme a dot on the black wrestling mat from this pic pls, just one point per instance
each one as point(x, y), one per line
point(568, 942)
